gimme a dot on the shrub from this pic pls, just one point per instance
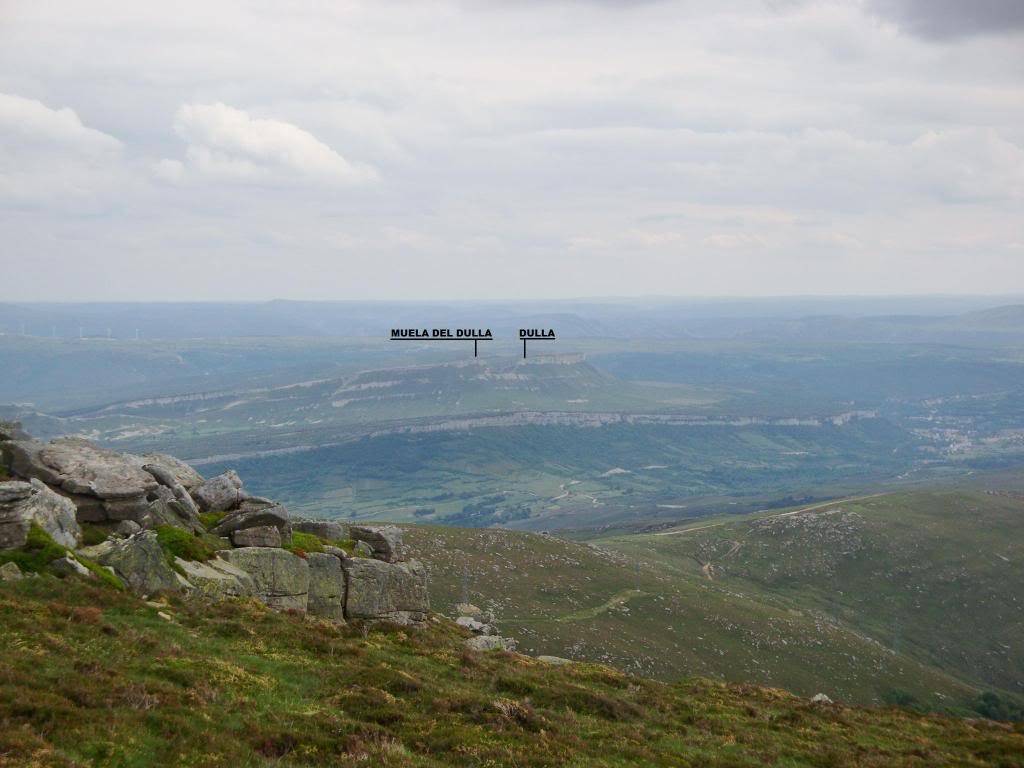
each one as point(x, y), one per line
point(302, 543)
point(101, 573)
point(93, 533)
point(39, 550)
point(177, 542)
point(995, 707)
point(210, 519)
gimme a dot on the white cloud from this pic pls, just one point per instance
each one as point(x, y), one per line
point(48, 157)
point(31, 122)
point(228, 144)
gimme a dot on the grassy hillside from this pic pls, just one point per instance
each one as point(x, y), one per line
point(936, 576)
point(911, 600)
point(92, 676)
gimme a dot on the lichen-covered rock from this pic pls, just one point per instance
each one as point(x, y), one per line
point(135, 508)
point(280, 579)
point(184, 505)
point(93, 471)
point(10, 572)
point(220, 493)
point(127, 528)
point(22, 504)
point(164, 508)
point(255, 514)
point(378, 590)
point(490, 643)
point(384, 540)
point(182, 473)
point(473, 625)
point(217, 579)
point(139, 562)
point(260, 536)
point(22, 456)
point(328, 530)
point(326, 586)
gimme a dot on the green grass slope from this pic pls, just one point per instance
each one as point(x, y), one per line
point(93, 676)
point(936, 576)
point(628, 604)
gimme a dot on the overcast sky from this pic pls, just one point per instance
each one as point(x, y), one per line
point(509, 149)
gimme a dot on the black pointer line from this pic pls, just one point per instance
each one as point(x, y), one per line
point(539, 338)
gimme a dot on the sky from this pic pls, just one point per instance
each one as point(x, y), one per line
point(476, 149)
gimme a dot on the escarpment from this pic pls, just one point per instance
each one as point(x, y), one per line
point(154, 524)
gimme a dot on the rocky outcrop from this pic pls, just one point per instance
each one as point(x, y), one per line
point(139, 562)
point(220, 493)
point(216, 579)
point(22, 504)
point(328, 530)
point(385, 591)
point(384, 540)
point(86, 469)
point(280, 579)
point(107, 486)
point(73, 480)
point(326, 586)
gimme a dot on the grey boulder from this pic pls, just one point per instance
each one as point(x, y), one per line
point(216, 579)
point(181, 472)
point(162, 507)
point(92, 471)
point(385, 591)
point(180, 494)
point(22, 504)
point(328, 530)
point(220, 493)
point(384, 540)
point(490, 643)
point(326, 586)
point(555, 661)
point(127, 528)
point(473, 625)
point(260, 536)
point(254, 514)
point(139, 562)
point(10, 572)
point(280, 579)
